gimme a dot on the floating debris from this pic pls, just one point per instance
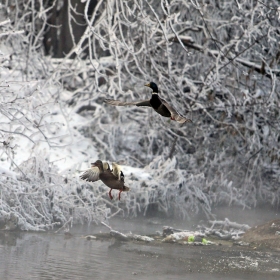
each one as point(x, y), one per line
point(118, 235)
point(90, 237)
point(228, 224)
point(225, 230)
point(186, 236)
point(169, 230)
point(142, 238)
point(222, 230)
point(126, 237)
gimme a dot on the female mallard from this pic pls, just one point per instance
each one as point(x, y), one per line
point(101, 171)
point(157, 103)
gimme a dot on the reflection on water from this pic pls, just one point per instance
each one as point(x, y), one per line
point(56, 256)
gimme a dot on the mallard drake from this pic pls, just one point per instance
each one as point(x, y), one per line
point(157, 103)
point(101, 171)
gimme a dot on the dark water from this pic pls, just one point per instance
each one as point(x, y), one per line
point(55, 256)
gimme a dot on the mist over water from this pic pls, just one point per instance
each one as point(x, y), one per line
point(252, 217)
point(54, 256)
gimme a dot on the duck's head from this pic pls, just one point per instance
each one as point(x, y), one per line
point(125, 189)
point(98, 164)
point(153, 86)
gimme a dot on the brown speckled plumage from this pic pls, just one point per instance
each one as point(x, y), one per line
point(101, 171)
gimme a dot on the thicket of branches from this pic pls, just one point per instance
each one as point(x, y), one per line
point(216, 62)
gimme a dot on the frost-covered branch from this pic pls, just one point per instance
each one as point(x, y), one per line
point(215, 63)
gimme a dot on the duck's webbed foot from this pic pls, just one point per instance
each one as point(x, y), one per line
point(110, 195)
point(120, 194)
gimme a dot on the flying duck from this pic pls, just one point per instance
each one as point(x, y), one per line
point(157, 103)
point(101, 171)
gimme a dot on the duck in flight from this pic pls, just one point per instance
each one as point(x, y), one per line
point(114, 179)
point(157, 103)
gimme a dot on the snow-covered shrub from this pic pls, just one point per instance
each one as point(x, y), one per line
point(40, 146)
point(216, 62)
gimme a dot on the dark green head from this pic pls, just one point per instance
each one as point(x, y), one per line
point(153, 86)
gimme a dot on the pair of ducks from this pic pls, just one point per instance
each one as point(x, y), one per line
point(114, 179)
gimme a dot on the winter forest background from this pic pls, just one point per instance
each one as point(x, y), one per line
point(217, 62)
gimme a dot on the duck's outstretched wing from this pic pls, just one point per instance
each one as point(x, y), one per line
point(117, 171)
point(121, 103)
point(91, 174)
point(174, 114)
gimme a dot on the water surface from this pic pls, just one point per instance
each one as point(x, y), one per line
point(55, 256)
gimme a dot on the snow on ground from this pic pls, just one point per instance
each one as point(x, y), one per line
point(40, 124)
